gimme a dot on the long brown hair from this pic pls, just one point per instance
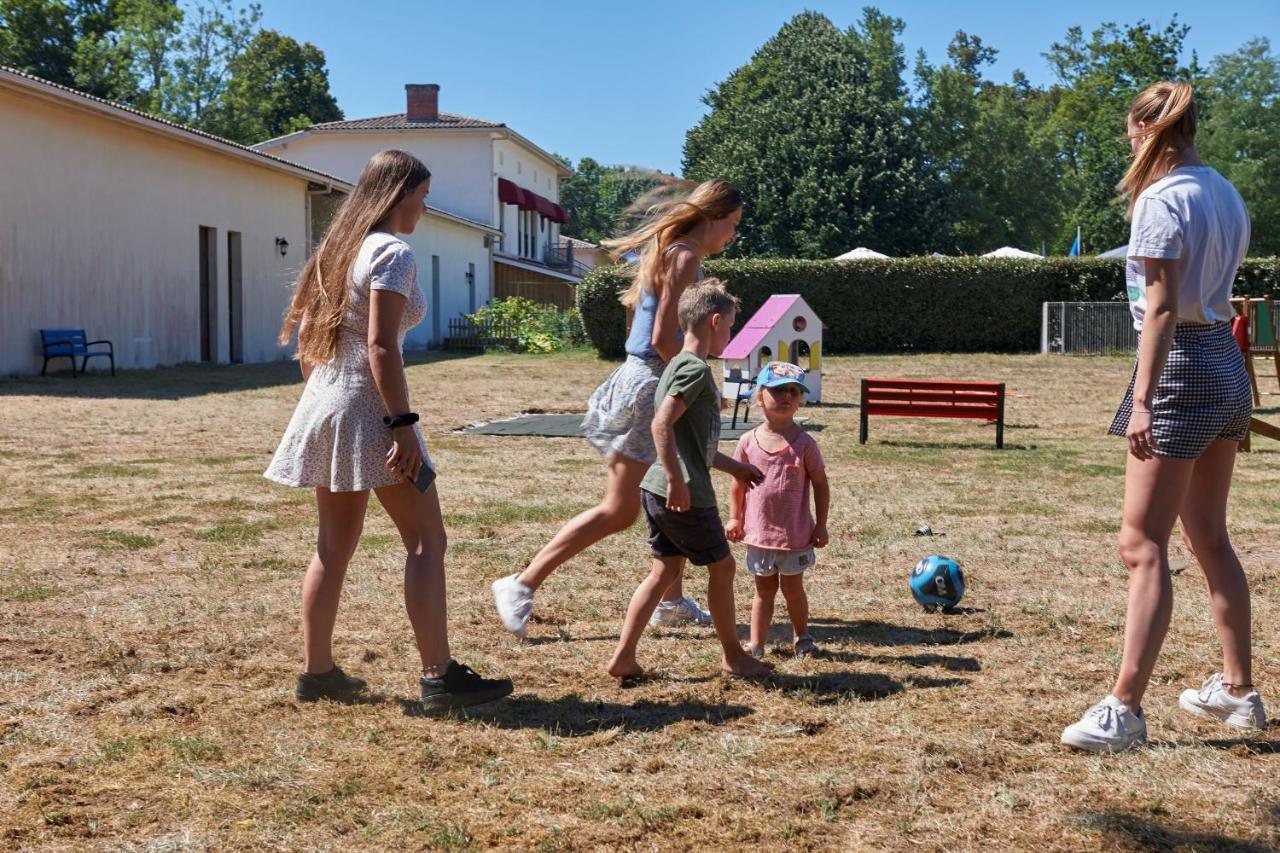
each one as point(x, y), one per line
point(323, 291)
point(665, 223)
point(1169, 112)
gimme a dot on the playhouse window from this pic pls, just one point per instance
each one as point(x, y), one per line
point(799, 324)
point(766, 356)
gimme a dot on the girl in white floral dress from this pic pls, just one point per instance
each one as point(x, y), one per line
point(353, 430)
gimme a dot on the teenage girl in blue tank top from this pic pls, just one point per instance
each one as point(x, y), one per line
point(671, 244)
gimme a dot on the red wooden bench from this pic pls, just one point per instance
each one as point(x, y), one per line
point(921, 398)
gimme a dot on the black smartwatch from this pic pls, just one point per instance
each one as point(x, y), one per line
point(407, 419)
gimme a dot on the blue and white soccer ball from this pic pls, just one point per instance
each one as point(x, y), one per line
point(937, 582)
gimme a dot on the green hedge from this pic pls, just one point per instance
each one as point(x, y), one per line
point(907, 304)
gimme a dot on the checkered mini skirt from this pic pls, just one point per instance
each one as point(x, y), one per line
point(1203, 394)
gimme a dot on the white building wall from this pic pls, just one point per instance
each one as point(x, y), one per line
point(99, 229)
point(456, 246)
point(460, 163)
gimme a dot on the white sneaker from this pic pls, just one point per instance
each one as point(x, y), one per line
point(683, 612)
point(515, 603)
point(1213, 702)
point(1108, 726)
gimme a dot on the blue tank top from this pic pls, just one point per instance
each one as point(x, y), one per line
point(640, 341)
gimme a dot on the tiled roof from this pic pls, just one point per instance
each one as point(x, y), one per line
point(75, 94)
point(399, 122)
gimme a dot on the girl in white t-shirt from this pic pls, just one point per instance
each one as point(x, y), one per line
point(1187, 408)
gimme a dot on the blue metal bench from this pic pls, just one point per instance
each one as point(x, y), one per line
point(71, 343)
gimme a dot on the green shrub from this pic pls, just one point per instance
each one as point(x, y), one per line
point(534, 327)
point(906, 304)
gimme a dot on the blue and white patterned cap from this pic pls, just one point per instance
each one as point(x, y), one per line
point(777, 373)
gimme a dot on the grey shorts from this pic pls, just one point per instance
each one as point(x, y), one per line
point(767, 562)
point(619, 415)
point(696, 535)
point(1202, 396)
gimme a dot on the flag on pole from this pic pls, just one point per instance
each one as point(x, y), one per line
point(1075, 247)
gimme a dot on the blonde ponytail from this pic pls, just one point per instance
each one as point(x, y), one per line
point(1168, 111)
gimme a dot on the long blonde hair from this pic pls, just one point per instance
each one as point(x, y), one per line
point(666, 223)
point(323, 292)
point(1169, 112)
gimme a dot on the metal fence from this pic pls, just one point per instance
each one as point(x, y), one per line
point(1087, 327)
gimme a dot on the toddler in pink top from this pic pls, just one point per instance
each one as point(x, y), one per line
point(774, 518)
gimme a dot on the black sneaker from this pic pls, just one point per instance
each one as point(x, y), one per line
point(334, 684)
point(459, 687)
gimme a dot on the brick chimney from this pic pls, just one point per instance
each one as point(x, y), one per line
point(422, 101)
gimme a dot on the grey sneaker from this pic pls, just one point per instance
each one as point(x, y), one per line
point(460, 687)
point(334, 684)
point(673, 614)
point(1213, 702)
point(1108, 726)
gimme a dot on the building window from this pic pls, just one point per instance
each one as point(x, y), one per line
point(502, 159)
point(535, 176)
point(519, 167)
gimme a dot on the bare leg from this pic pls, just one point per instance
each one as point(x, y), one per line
point(616, 512)
point(762, 609)
point(341, 521)
point(797, 604)
point(645, 600)
point(1153, 492)
point(1204, 528)
point(417, 517)
point(725, 620)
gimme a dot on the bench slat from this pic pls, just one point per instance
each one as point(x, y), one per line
point(930, 384)
point(986, 412)
point(932, 397)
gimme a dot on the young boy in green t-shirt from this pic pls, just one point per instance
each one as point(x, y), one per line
point(679, 500)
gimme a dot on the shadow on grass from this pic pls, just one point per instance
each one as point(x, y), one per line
point(830, 688)
point(950, 664)
point(887, 634)
point(1251, 745)
point(573, 716)
point(952, 445)
point(1146, 834)
point(178, 382)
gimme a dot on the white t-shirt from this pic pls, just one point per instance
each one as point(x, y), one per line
point(1195, 216)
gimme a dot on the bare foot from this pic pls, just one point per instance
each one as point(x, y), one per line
point(745, 665)
point(624, 670)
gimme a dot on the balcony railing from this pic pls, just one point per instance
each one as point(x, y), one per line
point(560, 257)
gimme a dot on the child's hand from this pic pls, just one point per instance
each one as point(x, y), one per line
point(734, 531)
point(678, 499)
point(749, 475)
point(820, 536)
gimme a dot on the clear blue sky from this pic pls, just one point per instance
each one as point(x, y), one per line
point(622, 82)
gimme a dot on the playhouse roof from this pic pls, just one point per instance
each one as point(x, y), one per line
point(749, 336)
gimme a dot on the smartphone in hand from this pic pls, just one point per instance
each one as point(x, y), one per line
point(426, 476)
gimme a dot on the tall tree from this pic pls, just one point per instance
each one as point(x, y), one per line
point(1099, 78)
point(814, 132)
point(990, 146)
point(276, 86)
point(595, 197)
point(212, 38)
point(1240, 133)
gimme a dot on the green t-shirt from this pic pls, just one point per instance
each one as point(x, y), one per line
point(697, 432)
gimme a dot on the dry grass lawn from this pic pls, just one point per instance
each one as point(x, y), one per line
point(149, 638)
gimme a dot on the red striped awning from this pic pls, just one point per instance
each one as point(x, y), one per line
point(511, 193)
